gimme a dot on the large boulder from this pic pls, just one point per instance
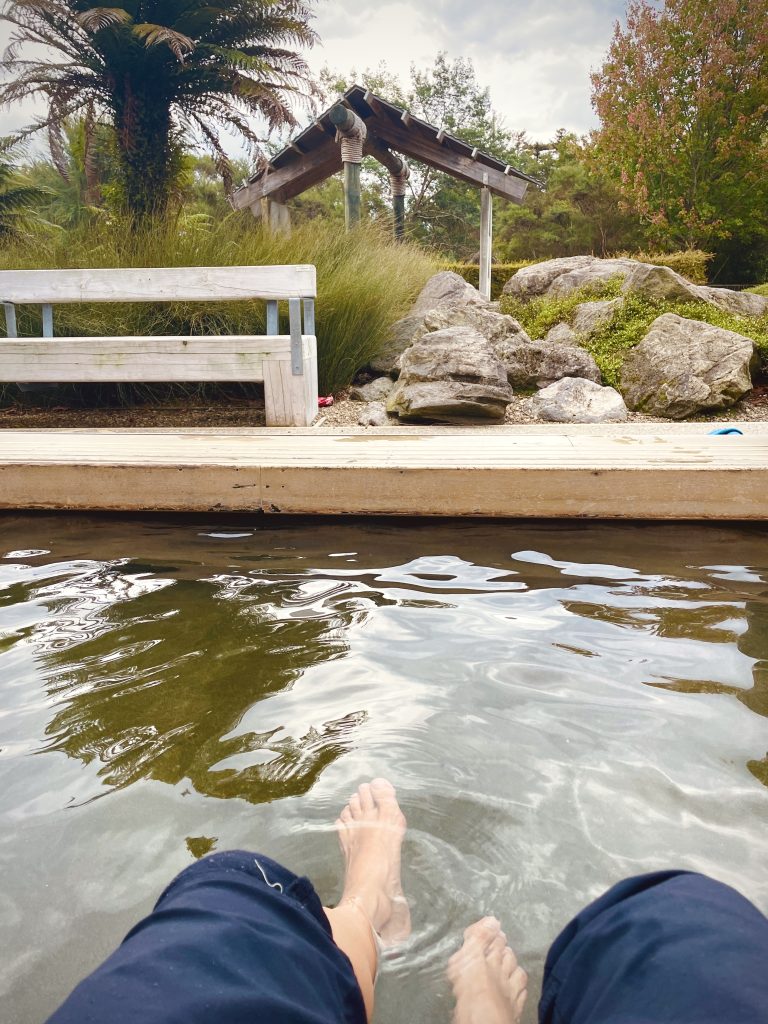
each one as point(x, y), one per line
point(402, 334)
point(576, 400)
point(659, 283)
point(493, 326)
point(446, 287)
point(451, 376)
point(535, 280)
point(376, 390)
point(535, 364)
point(740, 303)
point(589, 317)
point(682, 367)
point(592, 276)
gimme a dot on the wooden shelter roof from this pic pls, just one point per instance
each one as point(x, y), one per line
point(314, 155)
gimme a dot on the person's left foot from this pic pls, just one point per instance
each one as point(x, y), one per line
point(489, 985)
point(371, 829)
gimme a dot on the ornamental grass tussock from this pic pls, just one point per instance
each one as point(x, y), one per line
point(366, 281)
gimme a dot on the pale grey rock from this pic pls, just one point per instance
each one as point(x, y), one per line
point(445, 287)
point(588, 317)
point(451, 375)
point(576, 400)
point(536, 364)
point(598, 273)
point(402, 334)
point(682, 367)
point(659, 283)
point(493, 326)
point(740, 303)
point(375, 390)
point(373, 415)
point(562, 333)
point(536, 279)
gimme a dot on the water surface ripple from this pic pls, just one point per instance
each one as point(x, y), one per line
point(559, 706)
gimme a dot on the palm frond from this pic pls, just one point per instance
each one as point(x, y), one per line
point(97, 18)
point(157, 35)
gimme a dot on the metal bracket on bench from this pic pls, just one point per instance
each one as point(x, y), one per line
point(47, 321)
point(10, 320)
point(273, 319)
point(294, 320)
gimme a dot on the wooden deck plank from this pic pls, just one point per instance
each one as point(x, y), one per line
point(554, 472)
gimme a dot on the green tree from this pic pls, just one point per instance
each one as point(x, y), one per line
point(162, 73)
point(82, 176)
point(683, 103)
point(19, 198)
point(577, 211)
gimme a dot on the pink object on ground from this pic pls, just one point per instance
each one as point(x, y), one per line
point(323, 403)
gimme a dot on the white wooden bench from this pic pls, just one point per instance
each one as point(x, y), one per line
point(287, 364)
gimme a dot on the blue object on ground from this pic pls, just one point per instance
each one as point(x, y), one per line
point(727, 430)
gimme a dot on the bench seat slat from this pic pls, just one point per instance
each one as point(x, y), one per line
point(158, 284)
point(129, 359)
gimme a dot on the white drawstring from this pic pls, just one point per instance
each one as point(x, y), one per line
point(272, 885)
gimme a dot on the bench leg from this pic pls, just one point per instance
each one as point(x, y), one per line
point(291, 401)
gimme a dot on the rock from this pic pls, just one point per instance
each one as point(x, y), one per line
point(446, 287)
point(740, 303)
point(374, 391)
point(588, 317)
point(402, 335)
point(536, 279)
point(443, 289)
point(576, 400)
point(682, 367)
point(594, 275)
point(539, 363)
point(659, 283)
point(452, 375)
point(373, 415)
point(493, 326)
point(562, 333)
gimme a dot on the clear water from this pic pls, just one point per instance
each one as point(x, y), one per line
point(558, 705)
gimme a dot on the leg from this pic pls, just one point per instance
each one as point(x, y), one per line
point(235, 938)
point(489, 985)
point(372, 907)
point(667, 947)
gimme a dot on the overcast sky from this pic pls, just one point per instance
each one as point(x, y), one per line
point(535, 57)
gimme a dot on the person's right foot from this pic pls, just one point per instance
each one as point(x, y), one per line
point(371, 829)
point(489, 985)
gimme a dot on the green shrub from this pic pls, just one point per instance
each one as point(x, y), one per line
point(541, 314)
point(366, 281)
point(500, 273)
point(610, 344)
point(760, 289)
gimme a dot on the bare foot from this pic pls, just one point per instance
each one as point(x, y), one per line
point(488, 983)
point(371, 829)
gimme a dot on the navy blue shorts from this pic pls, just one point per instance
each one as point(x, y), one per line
point(234, 939)
point(238, 939)
point(672, 947)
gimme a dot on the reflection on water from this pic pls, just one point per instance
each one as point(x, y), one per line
point(559, 706)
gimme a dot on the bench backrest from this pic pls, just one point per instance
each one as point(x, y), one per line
point(157, 284)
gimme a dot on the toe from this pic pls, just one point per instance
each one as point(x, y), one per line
point(355, 806)
point(483, 931)
point(367, 802)
point(346, 815)
point(508, 962)
point(383, 790)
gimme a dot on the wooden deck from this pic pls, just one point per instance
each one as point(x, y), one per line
point(664, 472)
